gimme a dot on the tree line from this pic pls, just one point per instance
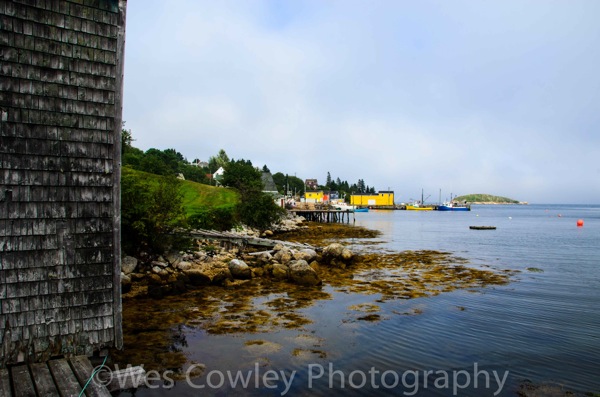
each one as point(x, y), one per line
point(171, 162)
point(152, 207)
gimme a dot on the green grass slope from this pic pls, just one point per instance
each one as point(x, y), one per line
point(485, 198)
point(196, 196)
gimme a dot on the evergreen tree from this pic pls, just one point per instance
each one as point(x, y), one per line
point(220, 160)
point(361, 186)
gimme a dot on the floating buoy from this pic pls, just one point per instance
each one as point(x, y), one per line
point(579, 222)
point(559, 215)
point(510, 217)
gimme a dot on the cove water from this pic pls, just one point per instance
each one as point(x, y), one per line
point(543, 327)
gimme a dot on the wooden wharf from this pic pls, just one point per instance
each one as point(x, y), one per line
point(59, 377)
point(325, 216)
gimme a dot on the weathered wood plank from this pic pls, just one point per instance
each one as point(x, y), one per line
point(244, 240)
point(127, 378)
point(65, 379)
point(22, 381)
point(5, 383)
point(261, 253)
point(82, 368)
point(43, 380)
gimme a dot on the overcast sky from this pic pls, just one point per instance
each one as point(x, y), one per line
point(499, 97)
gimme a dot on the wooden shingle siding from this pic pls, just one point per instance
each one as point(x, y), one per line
point(61, 74)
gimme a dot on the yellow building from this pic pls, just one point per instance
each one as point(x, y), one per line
point(381, 199)
point(314, 196)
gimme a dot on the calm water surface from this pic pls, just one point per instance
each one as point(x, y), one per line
point(543, 327)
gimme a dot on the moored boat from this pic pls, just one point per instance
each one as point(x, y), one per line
point(343, 206)
point(418, 207)
point(361, 210)
point(482, 227)
point(450, 206)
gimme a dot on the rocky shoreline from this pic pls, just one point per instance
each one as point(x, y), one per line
point(227, 290)
point(210, 264)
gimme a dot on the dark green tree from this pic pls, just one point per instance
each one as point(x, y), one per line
point(130, 155)
point(296, 185)
point(154, 162)
point(280, 181)
point(257, 209)
point(361, 186)
point(193, 173)
point(126, 140)
point(149, 212)
point(241, 175)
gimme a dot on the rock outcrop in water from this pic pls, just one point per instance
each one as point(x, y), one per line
point(177, 272)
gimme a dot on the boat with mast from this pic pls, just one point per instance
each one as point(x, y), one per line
point(419, 205)
point(452, 205)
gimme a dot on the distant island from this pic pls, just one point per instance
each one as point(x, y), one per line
point(486, 199)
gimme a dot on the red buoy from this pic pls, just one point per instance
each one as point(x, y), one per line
point(579, 222)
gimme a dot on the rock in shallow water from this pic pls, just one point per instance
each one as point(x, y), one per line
point(280, 272)
point(337, 255)
point(301, 273)
point(239, 269)
point(306, 254)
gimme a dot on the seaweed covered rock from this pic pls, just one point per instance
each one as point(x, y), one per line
point(337, 255)
point(306, 254)
point(301, 273)
point(198, 276)
point(263, 258)
point(239, 269)
point(183, 265)
point(205, 274)
point(282, 254)
point(280, 271)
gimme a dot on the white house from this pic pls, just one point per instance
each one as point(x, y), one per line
point(218, 175)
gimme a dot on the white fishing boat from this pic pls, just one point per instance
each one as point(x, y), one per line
point(343, 206)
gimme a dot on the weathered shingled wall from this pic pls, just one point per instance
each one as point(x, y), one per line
point(61, 68)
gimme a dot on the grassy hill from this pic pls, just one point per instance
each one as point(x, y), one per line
point(485, 198)
point(197, 197)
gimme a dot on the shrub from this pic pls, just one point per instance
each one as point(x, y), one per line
point(217, 218)
point(150, 211)
point(258, 210)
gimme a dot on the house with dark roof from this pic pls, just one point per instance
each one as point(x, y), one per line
point(311, 184)
point(268, 184)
